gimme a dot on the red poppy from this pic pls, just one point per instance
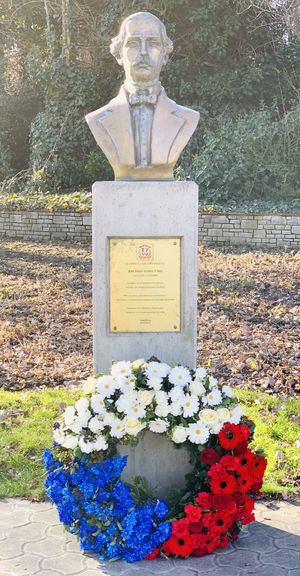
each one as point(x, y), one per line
point(220, 521)
point(230, 436)
point(209, 456)
point(222, 482)
point(180, 545)
point(246, 460)
point(259, 465)
point(153, 554)
point(230, 462)
point(193, 513)
point(244, 481)
point(204, 500)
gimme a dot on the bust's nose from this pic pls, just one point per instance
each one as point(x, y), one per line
point(143, 47)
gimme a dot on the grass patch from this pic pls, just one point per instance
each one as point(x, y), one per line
point(26, 420)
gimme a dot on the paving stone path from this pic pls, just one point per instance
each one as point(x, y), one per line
point(33, 543)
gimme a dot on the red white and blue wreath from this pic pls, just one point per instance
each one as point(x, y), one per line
point(111, 518)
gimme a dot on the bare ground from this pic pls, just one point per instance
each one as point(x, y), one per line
point(249, 313)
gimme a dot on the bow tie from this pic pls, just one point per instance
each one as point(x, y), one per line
point(135, 99)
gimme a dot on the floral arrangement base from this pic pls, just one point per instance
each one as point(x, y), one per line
point(127, 521)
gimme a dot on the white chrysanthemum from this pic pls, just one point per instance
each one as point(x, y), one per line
point(69, 415)
point(176, 394)
point(109, 418)
point(198, 433)
point(145, 397)
point(155, 382)
point(223, 415)
point(106, 386)
point(175, 408)
point(136, 364)
point(82, 405)
point(208, 417)
point(190, 405)
point(159, 369)
point(100, 444)
point(196, 387)
point(180, 376)
point(121, 369)
point(200, 373)
point(70, 442)
point(212, 382)
point(86, 446)
point(235, 415)
point(96, 424)
point(162, 410)
point(117, 429)
point(179, 434)
point(228, 391)
point(126, 401)
point(136, 411)
point(161, 397)
point(158, 426)
point(213, 398)
point(59, 436)
point(89, 385)
point(133, 426)
point(124, 383)
point(97, 404)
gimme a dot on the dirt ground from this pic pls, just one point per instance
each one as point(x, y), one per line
point(248, 325)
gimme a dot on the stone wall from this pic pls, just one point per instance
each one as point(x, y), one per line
point(232, 228)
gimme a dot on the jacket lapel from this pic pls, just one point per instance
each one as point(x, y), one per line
point(117, 121)
point(167, 123)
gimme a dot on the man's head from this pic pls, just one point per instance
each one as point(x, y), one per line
point(141, 47)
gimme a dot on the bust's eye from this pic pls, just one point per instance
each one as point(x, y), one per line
point(154, 42)
point(132, 43)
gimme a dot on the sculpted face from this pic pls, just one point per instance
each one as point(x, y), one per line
point(143, 53)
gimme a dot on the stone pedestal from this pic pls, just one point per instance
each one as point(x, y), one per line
point(145, 210)
point(157, 459)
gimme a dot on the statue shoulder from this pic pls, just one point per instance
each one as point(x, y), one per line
point(190, 115)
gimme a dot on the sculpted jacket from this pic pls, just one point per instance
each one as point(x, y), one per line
point(172, 127)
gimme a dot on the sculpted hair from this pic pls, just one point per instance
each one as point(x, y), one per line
point(117, 41)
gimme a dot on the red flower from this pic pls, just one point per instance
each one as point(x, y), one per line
point(153, 554)
point(259, 465)
point(180, 545)
point(193, 513)
point(246, 460)
point(180, 526)
point(223, 541)
point(220, 502)
point(209, 456)
point(230, 462)
point(244, 432)
point(230, 436)
point(221, 482)
point(245, 507)
point(204, 500)
point(244, 481)
point(220, 521)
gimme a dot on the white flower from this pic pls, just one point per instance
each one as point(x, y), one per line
point(162, 400)
point(228, 391)
point(179, 434)
point(85, 445)
point(136, 411)
point(97, 404)
point(198, 433)
point(69, 415)
point(145, 397)
point(95, 424)
point(124, 383)
point(180, 376)
point(216, 428)
point(176, 394)
point(208, 417)
point(212, 382)
point(106, 386)
point(223, 415)
point(121, 369)
point(136, 364)
point(70, 442)
point(108, 418)
point(190, 405)
point(162, 410)
point(155, 382)
point(133, 426)
point(117, 429)
point(157, 369)
point(77, 425)
point(100, 444)
point(235, 415)
point(126, 401)
point(82, 405)
point(175, 408)
point(161, 397)
point(159, 426)
point(196, 387)
point(213, 398)
point(89, 385)
point(59, 436)
point(200, 373)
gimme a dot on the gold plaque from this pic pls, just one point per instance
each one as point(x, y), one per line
point(144, 284)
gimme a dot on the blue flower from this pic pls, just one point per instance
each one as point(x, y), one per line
point(161, 509)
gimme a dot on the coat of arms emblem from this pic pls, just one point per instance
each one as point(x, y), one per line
point(144, 252)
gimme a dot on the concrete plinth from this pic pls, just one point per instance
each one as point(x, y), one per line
point(156, 459)
point(145, 210)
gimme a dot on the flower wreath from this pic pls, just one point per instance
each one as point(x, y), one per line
point(119, 521)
